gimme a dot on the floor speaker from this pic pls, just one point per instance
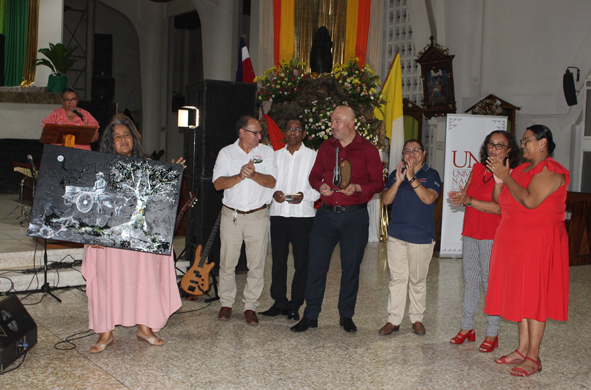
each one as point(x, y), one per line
point(103, 88)
point(221, 104)
point(18, 331)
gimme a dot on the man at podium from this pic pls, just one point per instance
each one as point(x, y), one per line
point(70, 114)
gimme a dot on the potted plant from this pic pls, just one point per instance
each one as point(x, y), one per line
point(59, 60)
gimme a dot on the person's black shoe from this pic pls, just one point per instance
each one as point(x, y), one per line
point(348, 324)
point(304, 324)
point(274, 312)
point(293, 315)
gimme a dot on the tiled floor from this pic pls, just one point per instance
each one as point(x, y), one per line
point(203, 353)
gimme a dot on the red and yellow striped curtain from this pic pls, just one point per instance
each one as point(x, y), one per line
point(296, 22)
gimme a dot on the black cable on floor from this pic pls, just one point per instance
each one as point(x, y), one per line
point(12, 369)
point(69, 340)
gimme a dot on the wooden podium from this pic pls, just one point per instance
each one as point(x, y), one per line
point(55, 134)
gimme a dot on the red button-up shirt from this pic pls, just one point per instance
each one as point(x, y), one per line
point(366, 170)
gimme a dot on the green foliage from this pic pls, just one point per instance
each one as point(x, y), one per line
point(58, 58)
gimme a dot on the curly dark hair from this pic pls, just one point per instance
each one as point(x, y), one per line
point(540, 132)
point(107, 144)
point(514, 151)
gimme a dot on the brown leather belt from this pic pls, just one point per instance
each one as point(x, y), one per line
point(247, 212)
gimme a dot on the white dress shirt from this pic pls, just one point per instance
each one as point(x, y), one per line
point(292, 177)
point(247, 195)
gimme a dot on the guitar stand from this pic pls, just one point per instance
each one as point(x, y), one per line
point(214, 283)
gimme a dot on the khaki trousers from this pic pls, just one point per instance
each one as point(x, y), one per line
point(253, 229)
point(404, 260)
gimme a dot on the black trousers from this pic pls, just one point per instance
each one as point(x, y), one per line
point(350, 229)
point(283, 232)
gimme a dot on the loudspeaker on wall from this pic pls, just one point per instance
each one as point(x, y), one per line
point(568, 85)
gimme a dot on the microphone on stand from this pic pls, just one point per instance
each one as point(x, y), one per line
point(33, 170)
point(75, 111)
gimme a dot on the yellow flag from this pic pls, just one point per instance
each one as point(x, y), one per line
point(392, 116)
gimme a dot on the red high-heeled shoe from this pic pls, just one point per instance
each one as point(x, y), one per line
point(489, 346)
point(460, 338)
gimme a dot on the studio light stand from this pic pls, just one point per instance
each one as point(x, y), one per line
point(188, 117)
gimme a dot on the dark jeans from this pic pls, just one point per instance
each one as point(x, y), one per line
point(283, 232)
point(330, 228)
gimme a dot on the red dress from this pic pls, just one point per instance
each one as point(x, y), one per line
point(529, 260)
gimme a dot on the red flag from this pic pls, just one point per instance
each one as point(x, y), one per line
point(275, 135)
point(245, 71)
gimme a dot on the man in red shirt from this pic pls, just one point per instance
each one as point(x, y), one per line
point(65, 115)
point(342, 218)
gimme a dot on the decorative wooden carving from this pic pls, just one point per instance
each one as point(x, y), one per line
point(493, 105)
point(438, 83)
point(415, 111)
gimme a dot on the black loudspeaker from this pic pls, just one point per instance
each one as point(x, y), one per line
point(103, 55)
point(568, 85)
point(18, 331)
point(103, 89)
point(2, 54)
point(102, 111)
point(221, 104)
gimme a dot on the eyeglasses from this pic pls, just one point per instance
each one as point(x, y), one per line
point(253, 132)
point(70, 100)
point(491, 145)
point(413, 150)
point(298, 129)
point(524, 141)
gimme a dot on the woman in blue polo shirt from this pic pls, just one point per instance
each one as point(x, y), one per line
point(412, 189)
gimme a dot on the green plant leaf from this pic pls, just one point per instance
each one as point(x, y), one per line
point(58, 56)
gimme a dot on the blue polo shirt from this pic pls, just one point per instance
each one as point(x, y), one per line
point(411, 220)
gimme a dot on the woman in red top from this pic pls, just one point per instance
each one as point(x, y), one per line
point(480, 225)
point(529, 261)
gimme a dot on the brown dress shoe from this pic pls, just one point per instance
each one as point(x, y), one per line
point(224, 314)
point(419, 328)
point(251, 317)
point(388, 329)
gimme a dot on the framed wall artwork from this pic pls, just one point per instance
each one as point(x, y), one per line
point(106, 199)
point(438, 82)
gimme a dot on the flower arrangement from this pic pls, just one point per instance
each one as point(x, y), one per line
point(360, 84)
point(316, 98)
point(281, 84)
point(318, 123)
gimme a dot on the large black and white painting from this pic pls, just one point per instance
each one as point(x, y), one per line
point(106, 199)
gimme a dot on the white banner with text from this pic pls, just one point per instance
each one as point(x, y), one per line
point(464, 137)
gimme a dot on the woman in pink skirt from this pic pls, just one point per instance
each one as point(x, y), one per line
point(124, 287)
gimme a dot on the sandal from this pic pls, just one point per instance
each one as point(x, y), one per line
point(489, 346)
point(503, 359)
point(460, 338)
point(149, 340)
point(101, 346)
point(517, 371)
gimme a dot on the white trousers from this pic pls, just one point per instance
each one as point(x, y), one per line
point(253, 229)
point(409, 265)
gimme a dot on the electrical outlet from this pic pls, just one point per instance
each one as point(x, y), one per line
point(439, 145)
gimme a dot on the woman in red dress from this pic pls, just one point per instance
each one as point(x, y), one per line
point(529, 264)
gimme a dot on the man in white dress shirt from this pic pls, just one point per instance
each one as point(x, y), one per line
point(292, 218)
point(246, 171)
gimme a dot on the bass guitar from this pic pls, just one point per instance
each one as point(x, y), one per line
point(196, 280)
